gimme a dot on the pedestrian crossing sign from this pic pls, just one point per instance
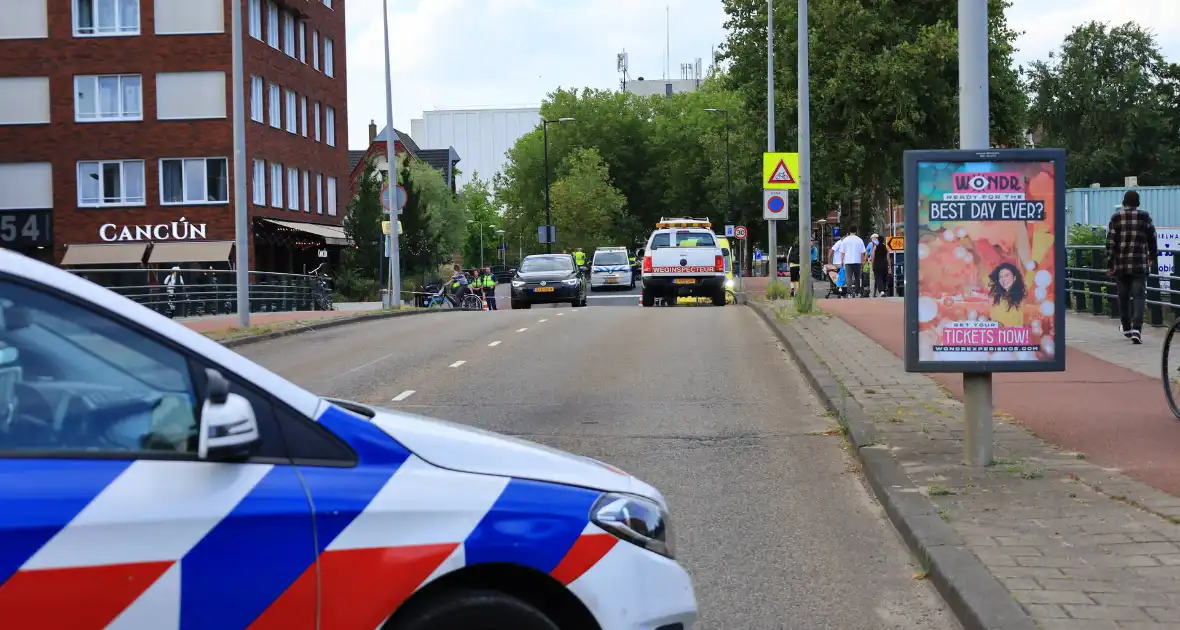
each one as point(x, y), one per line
point(780, 171)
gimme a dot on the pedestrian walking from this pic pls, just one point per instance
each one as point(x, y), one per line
point(879, 260)
point(489, 288)
point(852, 253)
point(1130, 256)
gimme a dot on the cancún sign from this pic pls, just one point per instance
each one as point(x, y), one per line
point(180, 230)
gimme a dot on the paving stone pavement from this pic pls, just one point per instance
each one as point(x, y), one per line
point(1098, 335)
point(1079, 546)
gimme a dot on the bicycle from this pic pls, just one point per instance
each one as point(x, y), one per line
point(320, 295)
point(1171, 378)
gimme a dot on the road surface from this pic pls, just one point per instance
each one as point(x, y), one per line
point(604, 297)
point(772, 520)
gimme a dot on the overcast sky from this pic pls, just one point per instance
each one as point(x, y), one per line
point(450, 54)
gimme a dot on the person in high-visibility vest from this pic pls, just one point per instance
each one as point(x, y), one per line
point(489, 288)
point(579, 257)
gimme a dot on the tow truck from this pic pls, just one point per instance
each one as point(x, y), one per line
point(683, 258)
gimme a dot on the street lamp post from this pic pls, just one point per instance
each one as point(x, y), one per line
point(395, 276)
point(241, 219)
point(501, 247)
point(481, 228)
point(548, 216)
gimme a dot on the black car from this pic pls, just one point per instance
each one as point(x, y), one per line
point(549, 279)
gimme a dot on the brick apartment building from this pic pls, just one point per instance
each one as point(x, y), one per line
point(116, 134)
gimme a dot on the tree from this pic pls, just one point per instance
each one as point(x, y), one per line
point(884, 78)
point(585, 205)
point(480, 215)
point(358, 278)
point(432, 221)
point(1111, 100)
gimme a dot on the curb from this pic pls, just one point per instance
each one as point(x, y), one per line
point(328, 323)
point(974, 595)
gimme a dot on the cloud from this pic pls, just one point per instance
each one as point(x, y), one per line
point(505, 53)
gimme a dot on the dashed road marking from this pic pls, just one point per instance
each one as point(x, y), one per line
point(521, 329)
point(457, 364)
point(542, 321)
point(493, 344)
point(560, 314)
point(404, 395)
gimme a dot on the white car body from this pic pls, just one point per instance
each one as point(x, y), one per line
point(612, 273)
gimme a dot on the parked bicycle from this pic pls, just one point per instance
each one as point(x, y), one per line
point(321, 293)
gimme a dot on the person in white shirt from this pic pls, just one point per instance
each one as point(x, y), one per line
point(852, 251)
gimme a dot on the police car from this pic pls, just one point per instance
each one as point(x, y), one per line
point(151, 478)
point(611, 268)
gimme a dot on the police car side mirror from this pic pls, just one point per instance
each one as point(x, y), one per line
point(229, 428)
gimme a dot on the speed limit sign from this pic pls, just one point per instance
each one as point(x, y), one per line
point(739, 232)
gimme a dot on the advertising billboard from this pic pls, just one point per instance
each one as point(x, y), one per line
point(985, 246)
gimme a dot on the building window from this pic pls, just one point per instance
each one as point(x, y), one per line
point(106, 17)
point(316, 121)
point(302, 37)
point(291, 101)
point(306, 198)
point(330, 126)
point(315, 49)
point(276, 185)
point(319, 193)
point(293, 189)
point(259, 182)
point(256, 19)
point(110, 183)
point(331, 196)
point(328, 3)
point(256, 106)
point(108, 97)
point(289, 34)
point(272, 24)
point(276, 106)
point(303, 116)
point(329, 63)
point(196, 180)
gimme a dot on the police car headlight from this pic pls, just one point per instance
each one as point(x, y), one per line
point(518, 283)
point(571, 282)
point(636, 520)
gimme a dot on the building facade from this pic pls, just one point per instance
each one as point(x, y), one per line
point(481, 137)
point(116, 133)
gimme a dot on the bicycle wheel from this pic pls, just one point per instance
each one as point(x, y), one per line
point(1171, 373)
point(472, 302)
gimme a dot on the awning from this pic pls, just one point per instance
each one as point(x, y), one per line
point(190, 252)
point(332, 234)
point(104, 254)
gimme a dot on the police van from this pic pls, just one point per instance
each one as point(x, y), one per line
point(611, 268)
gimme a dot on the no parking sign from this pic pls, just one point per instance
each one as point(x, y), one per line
point(774, 205)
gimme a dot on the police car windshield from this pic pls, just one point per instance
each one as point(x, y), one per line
point(533, 265)
point(610, 258)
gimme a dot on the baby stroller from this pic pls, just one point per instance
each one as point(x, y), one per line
point(837, 283)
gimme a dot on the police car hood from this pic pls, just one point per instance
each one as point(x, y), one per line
point(466, 449)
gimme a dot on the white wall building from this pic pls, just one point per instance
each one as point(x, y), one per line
point(662, 87)
point(481, 137)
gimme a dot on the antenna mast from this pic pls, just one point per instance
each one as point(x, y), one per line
point(667, 42)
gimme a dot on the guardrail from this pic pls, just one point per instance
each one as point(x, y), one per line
point(207, 292)
point(1090, 290)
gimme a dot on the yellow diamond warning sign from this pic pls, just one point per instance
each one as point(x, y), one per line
point(780, 171)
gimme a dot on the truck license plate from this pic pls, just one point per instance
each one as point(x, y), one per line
point(543, 290)
point(684, 281)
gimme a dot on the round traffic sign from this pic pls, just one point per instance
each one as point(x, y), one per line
point(739, 232)
point(399, 199)
point(775, 204)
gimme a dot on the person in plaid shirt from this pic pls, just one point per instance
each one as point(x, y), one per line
point(1130, 255)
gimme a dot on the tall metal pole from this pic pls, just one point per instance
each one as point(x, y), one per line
point(978, 438)
point(481, 246)
point(771, 226)
point(241, 218)
point(728, 176)
point(804, 155)
point(548, 218)
point(395, 276)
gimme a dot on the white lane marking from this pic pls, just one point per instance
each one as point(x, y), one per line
point(457, 363)
point(560, 314)
point(493, 344)
point(521, 329)
point(404, 395)
point(542, 321)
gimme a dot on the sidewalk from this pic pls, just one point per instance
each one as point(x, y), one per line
point(1079, 545)
point(219, 323)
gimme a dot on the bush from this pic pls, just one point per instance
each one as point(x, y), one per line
point(777, 291)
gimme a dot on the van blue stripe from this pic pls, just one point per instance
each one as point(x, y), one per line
point(39, 497)
point(532, 523)
point(256, 553)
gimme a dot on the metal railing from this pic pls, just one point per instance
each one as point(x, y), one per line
point(1090, 290)
point(207, 292)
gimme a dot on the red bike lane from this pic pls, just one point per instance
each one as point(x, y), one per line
point(1117, 417)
